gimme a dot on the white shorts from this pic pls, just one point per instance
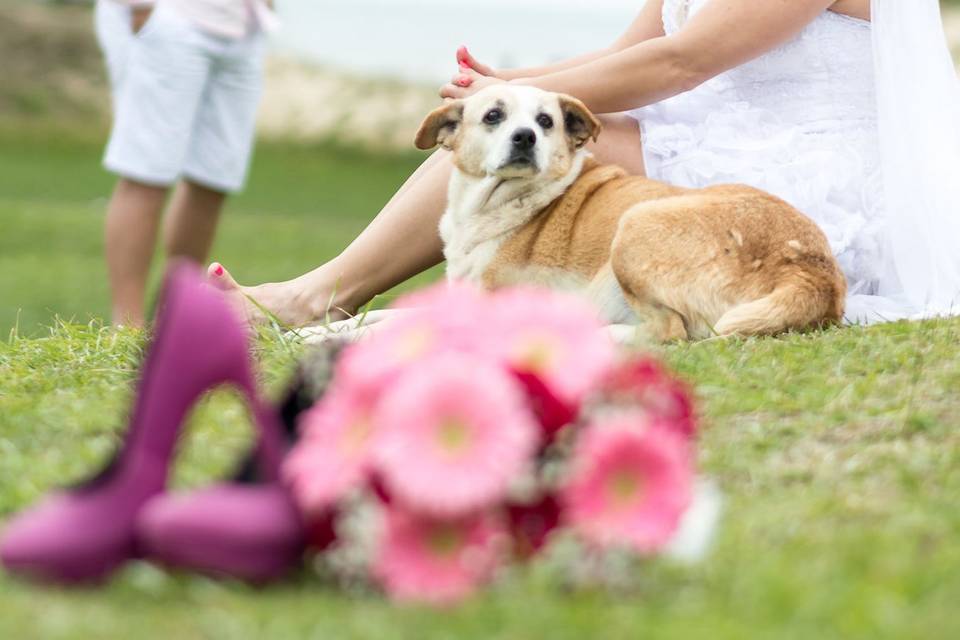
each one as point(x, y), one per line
point(115, 35)
point(187, 105)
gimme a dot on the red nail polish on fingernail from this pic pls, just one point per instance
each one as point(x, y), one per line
point(219, 270)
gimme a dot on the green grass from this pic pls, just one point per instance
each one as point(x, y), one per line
point(838, 452)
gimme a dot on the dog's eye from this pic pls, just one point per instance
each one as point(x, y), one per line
point(493, 116)
point(545, 121)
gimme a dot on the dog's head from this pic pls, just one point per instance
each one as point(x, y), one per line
point(511, 132)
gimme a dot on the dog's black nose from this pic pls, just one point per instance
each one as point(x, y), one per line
point(524, 139)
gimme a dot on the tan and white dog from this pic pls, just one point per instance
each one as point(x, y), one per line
point(527, 201)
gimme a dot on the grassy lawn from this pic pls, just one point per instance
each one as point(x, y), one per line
point(838, 453)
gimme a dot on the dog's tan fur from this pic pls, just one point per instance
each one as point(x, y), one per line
point(689, 263)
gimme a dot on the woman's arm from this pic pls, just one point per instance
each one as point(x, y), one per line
point(721, 36)
point(647, 25)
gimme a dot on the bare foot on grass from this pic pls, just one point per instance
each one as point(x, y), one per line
point(290, 304)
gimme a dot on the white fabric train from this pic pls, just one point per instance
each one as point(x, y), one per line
point(918, 107)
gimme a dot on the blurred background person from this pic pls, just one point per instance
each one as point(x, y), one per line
point(187, 77)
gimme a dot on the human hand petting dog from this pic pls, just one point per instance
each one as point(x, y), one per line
point(466, 83)
point(466, 60)
point(472, 77)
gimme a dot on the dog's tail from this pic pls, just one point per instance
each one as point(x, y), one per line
point(795, 304)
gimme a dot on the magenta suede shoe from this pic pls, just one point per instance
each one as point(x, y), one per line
point(84, 533)
point(247, 532)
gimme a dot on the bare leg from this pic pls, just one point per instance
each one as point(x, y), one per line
point(400, 242)
point(620, 143)
point(130, 234)
point(191, 221)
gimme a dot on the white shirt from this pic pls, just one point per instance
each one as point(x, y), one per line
point(227, 18)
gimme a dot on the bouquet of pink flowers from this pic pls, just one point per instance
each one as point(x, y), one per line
point(467, 431)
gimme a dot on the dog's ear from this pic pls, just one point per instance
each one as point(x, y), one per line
point(581, 125)
point(440, 126)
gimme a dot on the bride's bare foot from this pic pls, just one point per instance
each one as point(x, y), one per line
point(294, 303)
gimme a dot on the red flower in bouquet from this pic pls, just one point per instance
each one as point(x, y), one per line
point(437, 561)
point(629, 486)
point(532, 523)
point(552, 413)
point(321, 530)
point(453, 432)
point(555, 336)
point(645, 384)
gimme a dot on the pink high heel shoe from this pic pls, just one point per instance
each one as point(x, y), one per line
point(244, 532)
point(85, 533)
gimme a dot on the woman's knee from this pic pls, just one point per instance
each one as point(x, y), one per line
point(620, 143)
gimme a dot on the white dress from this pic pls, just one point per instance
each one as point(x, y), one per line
point(800, 122)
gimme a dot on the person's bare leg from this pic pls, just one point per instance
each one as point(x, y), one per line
point(191, 221)
point(620, 143)
point(400, 242)
point(130, 235)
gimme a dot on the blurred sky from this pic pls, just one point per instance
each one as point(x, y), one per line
point(416, 39)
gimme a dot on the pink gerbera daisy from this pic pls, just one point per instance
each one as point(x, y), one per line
point(453, 432)
point(441, 318)
point(454, 297)
point(645, 384)
point(555, 336)
point(628, 486)
point(437, 561)
point(334, 453)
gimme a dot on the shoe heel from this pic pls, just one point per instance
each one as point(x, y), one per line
point(271, 442)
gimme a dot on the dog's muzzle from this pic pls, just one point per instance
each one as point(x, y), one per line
point(522, 149)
